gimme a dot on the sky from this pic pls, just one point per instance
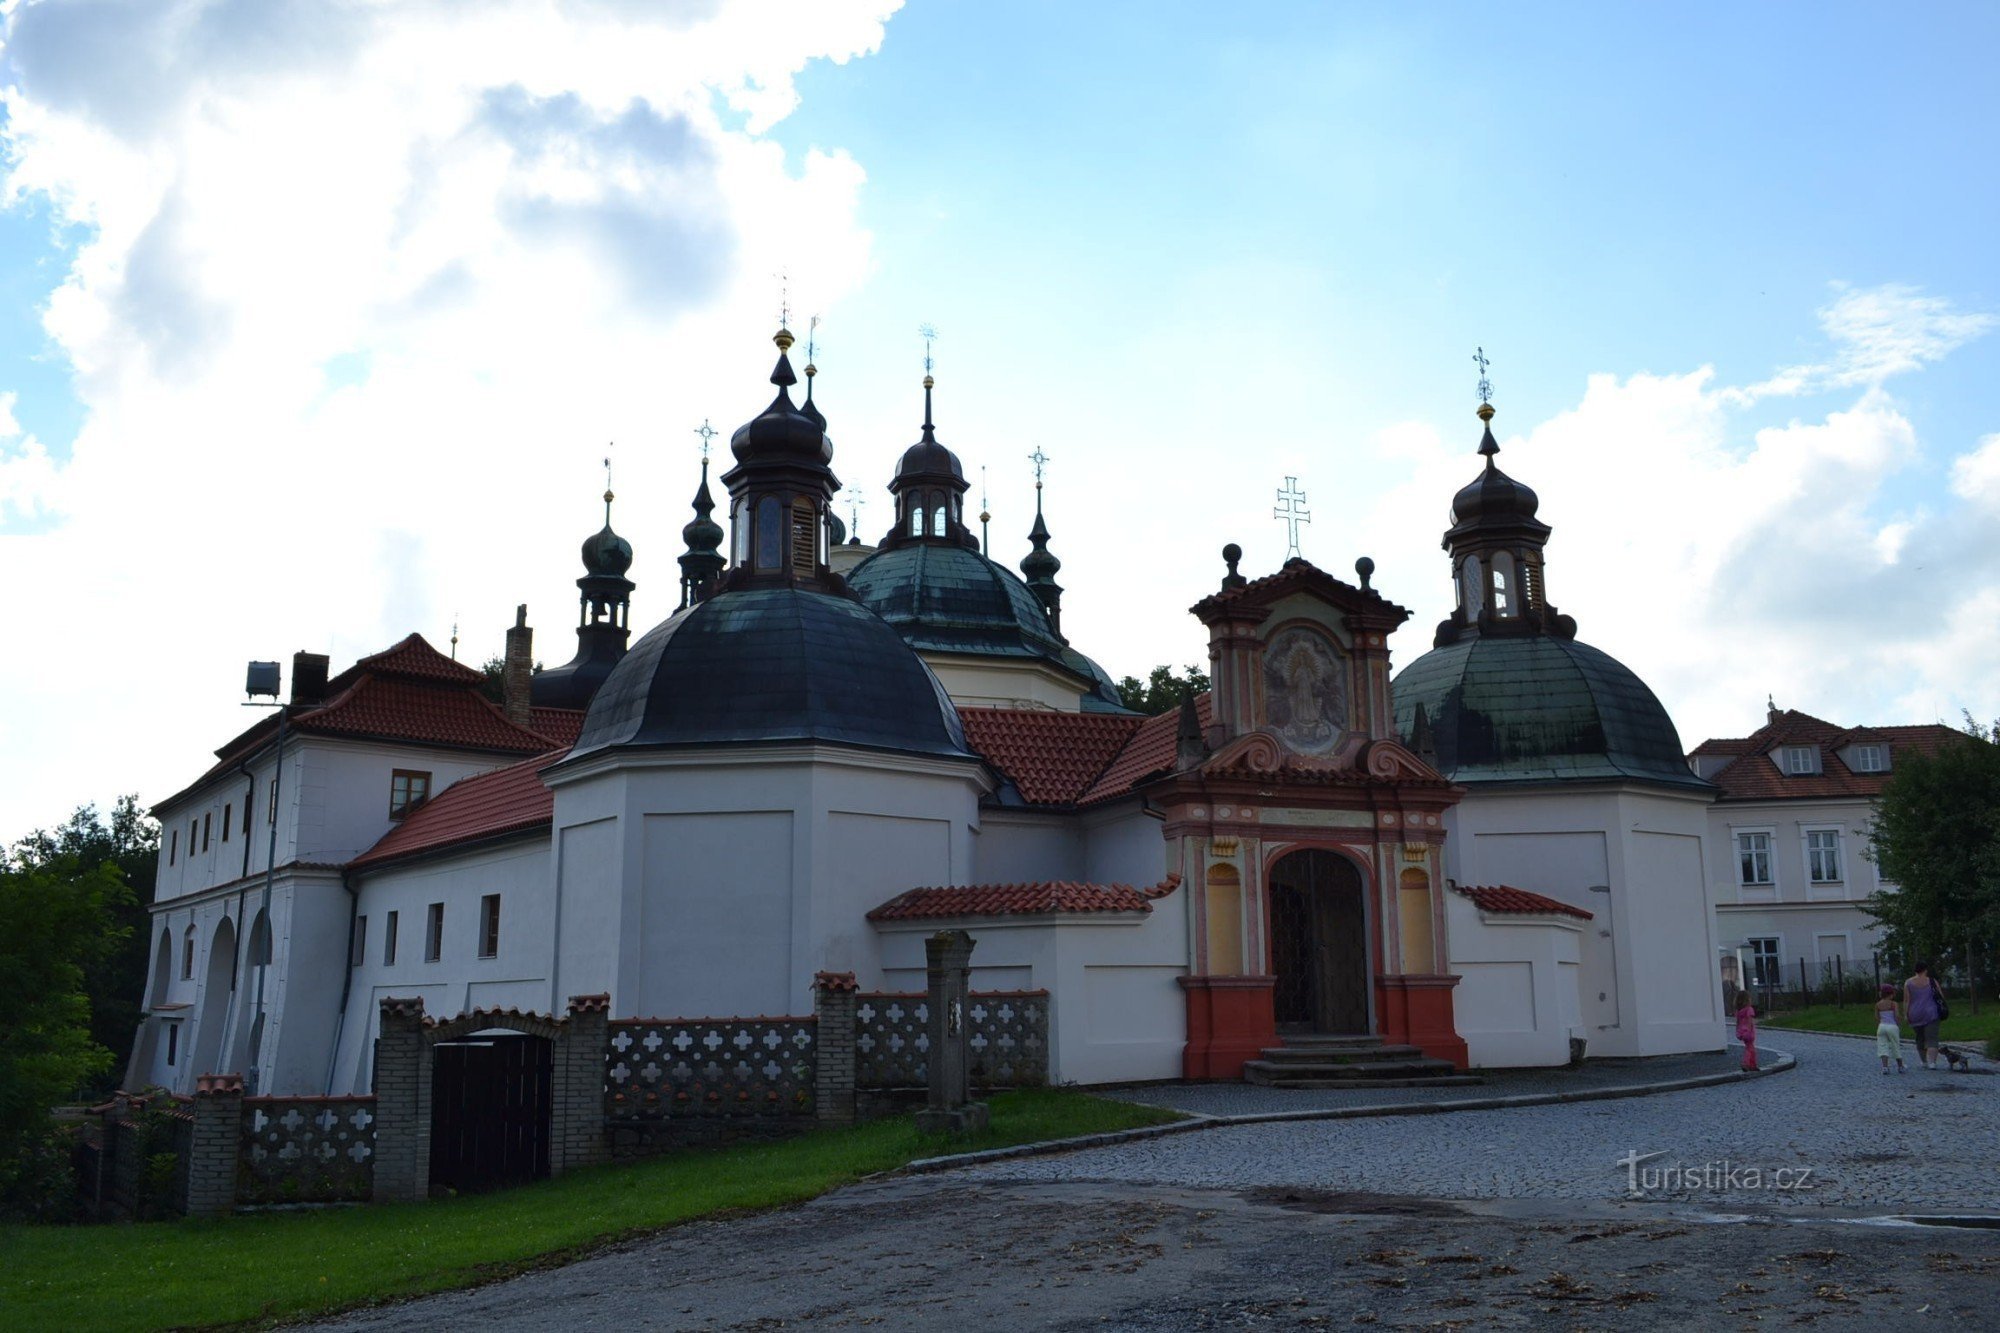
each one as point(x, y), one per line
point(318, 320)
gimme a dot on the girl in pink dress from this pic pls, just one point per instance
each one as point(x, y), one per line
point(1746, 1031)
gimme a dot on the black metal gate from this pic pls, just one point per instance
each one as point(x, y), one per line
point(490, 1111)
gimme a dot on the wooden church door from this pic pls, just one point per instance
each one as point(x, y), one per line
point(1319, 944)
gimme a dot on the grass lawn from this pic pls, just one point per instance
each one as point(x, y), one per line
point(260, 1266)
point(1961, 1029)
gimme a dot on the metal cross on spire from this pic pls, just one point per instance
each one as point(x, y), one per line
point(985, 514)
point(855, 504)
point(454, 636)
point(1292, 510)
point(1040, 460)
point(707, 433)
point(928, 332)
point(1485, 385)
point(812, 329)
point(607, 483)
point(784, 298)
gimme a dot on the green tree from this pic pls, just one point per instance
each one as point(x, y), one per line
point(114, 977)
point(1937, 837)
point(1162, 690)
point(57, 919)
point(495, 671)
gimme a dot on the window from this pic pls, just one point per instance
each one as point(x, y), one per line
point(1823, 856)
point(770, 534)
point(226, 811)
point(173, 1042)
point(207, 824)
point(173, 846)
point(360, 953)
point(389, 940)
point(434, 934)
point(408, 789)
point(246, 811)
point(1868, 759)
point(1764, 965)
point(187, 956)
point(917, 520)
point(1801, 760)
point(194, 834)
point(271, 808)
point(489, 926)
point(1753, 858)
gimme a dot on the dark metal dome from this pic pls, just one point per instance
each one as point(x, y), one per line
point(949, 599)
point(782, 432)
point(607, 553)
point(771, 665)
point(1538, 708)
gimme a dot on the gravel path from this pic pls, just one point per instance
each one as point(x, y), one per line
point(1478, 1219)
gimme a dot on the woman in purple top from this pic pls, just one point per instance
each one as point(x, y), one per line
point(1920, 994)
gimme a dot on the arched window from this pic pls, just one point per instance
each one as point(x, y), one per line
point(1503, 584)
point(739, 529)
point(916, 519)
point(163, 967)
point(938, 521)
point(187, 955)
point(1413, 910)
point(770, 534)
point(1471, 590)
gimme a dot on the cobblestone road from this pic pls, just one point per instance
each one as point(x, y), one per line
point(1478, 1219)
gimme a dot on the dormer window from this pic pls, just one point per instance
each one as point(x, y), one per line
point(1870, 759)
point(1801, 760)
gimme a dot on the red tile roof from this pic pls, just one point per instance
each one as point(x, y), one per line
point(412, 657)
point(561, 725)
point(1504, 899)
point(1150, 751)
point(1051, 758)
point(487, 805)
point(1037, 899)
point(1299, 572)
point(1755, 774)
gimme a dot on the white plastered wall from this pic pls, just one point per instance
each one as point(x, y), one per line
point(1517, 1002)
point(1632, 856)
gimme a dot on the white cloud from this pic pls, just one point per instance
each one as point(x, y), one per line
point(1876, 333)
point(366, 289)
point(1976, 475)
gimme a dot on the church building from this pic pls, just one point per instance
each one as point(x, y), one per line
point(830, 751)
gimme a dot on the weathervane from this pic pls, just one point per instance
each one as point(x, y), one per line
point(855, 503)
point(928, 332)
point(607, 483)
point(1292, 509)
point(784, 299)
point(707, 433)
point(454, 636)
point(812, 328)
point(1485, 385)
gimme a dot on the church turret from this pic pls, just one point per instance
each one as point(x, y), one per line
point(929, 487)
point(780, 491)
point(603, 621)
point(1496, 545)
point(702, 561)
point(1039, 565)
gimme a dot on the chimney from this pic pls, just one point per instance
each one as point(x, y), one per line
point(309, 678)
point(1190, 749)
point(1771, 714)
point(518, 670)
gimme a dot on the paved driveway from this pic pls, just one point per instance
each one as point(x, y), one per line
point(1500, 1219)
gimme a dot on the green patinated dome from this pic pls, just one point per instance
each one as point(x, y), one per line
point(1538, 708)
point(946, 598)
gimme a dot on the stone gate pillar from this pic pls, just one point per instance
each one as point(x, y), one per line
point(948, 959)
point(214, 1145)
point(834, 996)
point(402, 1104)
point(576, 1120)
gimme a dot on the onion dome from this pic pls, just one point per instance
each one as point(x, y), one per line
point(773, 665)
point(781, 431)
point(603, 625)
point(607, 553)
point(702, 560)
point(929, 486)
point(1492, 499)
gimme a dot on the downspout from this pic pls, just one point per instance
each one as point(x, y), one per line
point(346, 977)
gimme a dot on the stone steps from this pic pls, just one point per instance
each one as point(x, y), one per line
point(1318, 1060)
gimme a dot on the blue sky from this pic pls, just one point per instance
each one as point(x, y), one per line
point(327, 344)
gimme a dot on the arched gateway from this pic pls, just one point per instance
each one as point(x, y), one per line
point(1319, 944)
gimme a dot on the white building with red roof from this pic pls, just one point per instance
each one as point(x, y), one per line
point(1788, 842)
point(819, 759)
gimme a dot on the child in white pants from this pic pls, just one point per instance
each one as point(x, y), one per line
point(1889, 1028)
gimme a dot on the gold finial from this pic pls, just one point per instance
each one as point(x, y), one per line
point(1485, 412)
point(784, 340)
point(929, 383)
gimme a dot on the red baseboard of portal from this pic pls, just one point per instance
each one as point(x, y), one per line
point(1417, 1011)
point(1229, 1020)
